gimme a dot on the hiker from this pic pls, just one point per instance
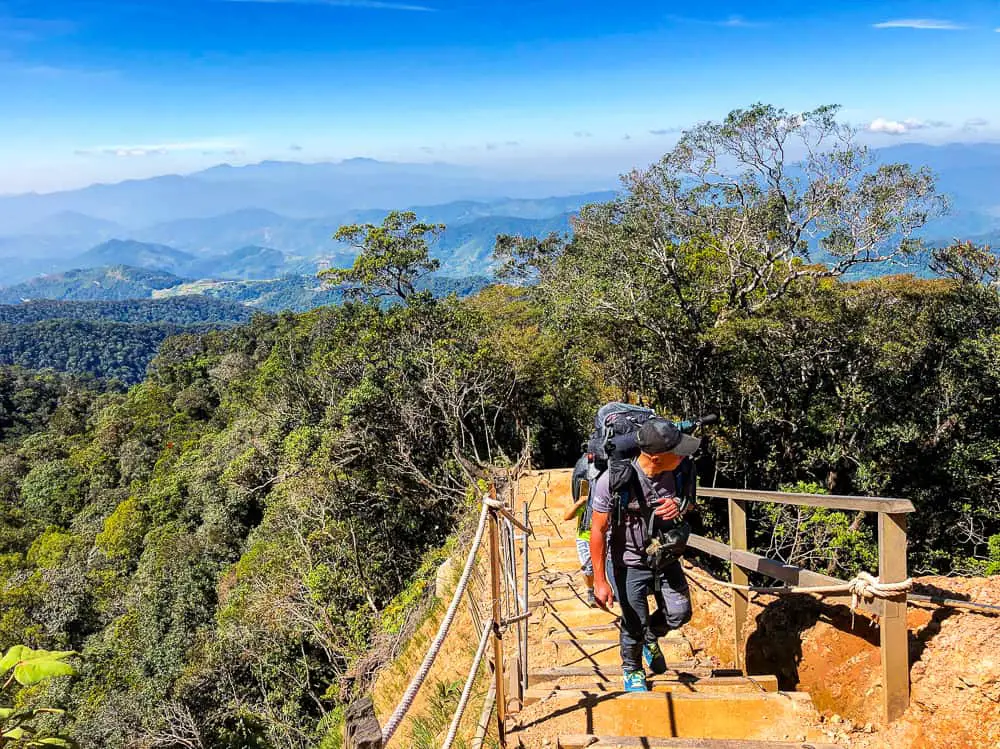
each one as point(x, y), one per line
point(581, 512)
point(619, 545)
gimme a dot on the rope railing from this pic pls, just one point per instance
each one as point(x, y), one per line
point(509, 608)
point(470, 680)
point(862, 587)
point(406, 702)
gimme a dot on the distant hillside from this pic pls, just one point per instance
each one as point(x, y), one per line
point(248, 263)
point(470, 223)
point(109, 350)
point(301, 293)
point(136, 255)
point(181, 310)
point(467, 248)
point(112, 283)
point(72, 223)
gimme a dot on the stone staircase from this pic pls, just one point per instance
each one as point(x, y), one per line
point(574, 697)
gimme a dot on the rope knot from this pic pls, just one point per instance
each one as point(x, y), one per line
point(865, 587)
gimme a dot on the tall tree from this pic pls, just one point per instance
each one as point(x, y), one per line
point(739, 215)
point(392, 257)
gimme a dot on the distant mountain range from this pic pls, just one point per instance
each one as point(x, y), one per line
point(274, 219)
point(48, 297)
point(287, 188)
point(258, 243)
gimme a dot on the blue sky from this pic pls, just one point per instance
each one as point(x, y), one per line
point(102, 90)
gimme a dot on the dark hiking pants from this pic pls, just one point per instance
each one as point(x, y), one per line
point(631, 586)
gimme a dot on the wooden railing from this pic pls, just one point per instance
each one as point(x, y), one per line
point(890, 612)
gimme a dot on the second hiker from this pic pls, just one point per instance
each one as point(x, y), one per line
point(581, 512)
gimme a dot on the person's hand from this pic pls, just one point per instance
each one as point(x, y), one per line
point(603, 594)
point(667, 509)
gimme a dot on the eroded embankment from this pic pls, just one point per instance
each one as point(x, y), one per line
point(812, 647)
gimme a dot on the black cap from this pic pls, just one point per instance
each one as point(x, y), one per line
point(660, 435)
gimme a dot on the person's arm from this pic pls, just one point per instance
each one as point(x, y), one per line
point(571, 512)
point(603, 594)
point(584, 497)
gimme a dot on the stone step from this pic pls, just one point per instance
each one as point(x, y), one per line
point(588, 741)
point(611, 674)
point(725, 715)
point(661, 683)
point(574, 618)
point(674, 648)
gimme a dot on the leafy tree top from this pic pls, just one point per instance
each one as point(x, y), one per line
point(392, 257)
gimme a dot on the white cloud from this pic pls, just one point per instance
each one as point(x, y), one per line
point(162, 149)
point(927, 24)
point(739, 22)
point(372, 4)
point(975, 123)
point(901, 127)
point(732, 22)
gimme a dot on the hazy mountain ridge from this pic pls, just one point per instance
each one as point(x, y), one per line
point(273, 219)
point(216, 246)
point(105, 284)
point(289, 188)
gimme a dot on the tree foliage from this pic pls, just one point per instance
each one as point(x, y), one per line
point(391, 260)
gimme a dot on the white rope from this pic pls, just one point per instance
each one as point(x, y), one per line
point(467, 692)
point(862, 587)
point(418, 680)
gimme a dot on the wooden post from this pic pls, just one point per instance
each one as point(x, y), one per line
point(498, 670)
point(524, 583)
point(361, 728)
point(895, 648)
point(738, 540)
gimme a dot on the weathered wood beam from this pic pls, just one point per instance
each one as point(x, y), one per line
point(787, 573)
point(830, 501)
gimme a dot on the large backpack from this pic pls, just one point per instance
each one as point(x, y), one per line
point(615, 428)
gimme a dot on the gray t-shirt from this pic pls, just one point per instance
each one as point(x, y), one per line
point(627, 541)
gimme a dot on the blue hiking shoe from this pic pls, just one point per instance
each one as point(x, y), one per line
point(635, 681)
point(653, 656)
